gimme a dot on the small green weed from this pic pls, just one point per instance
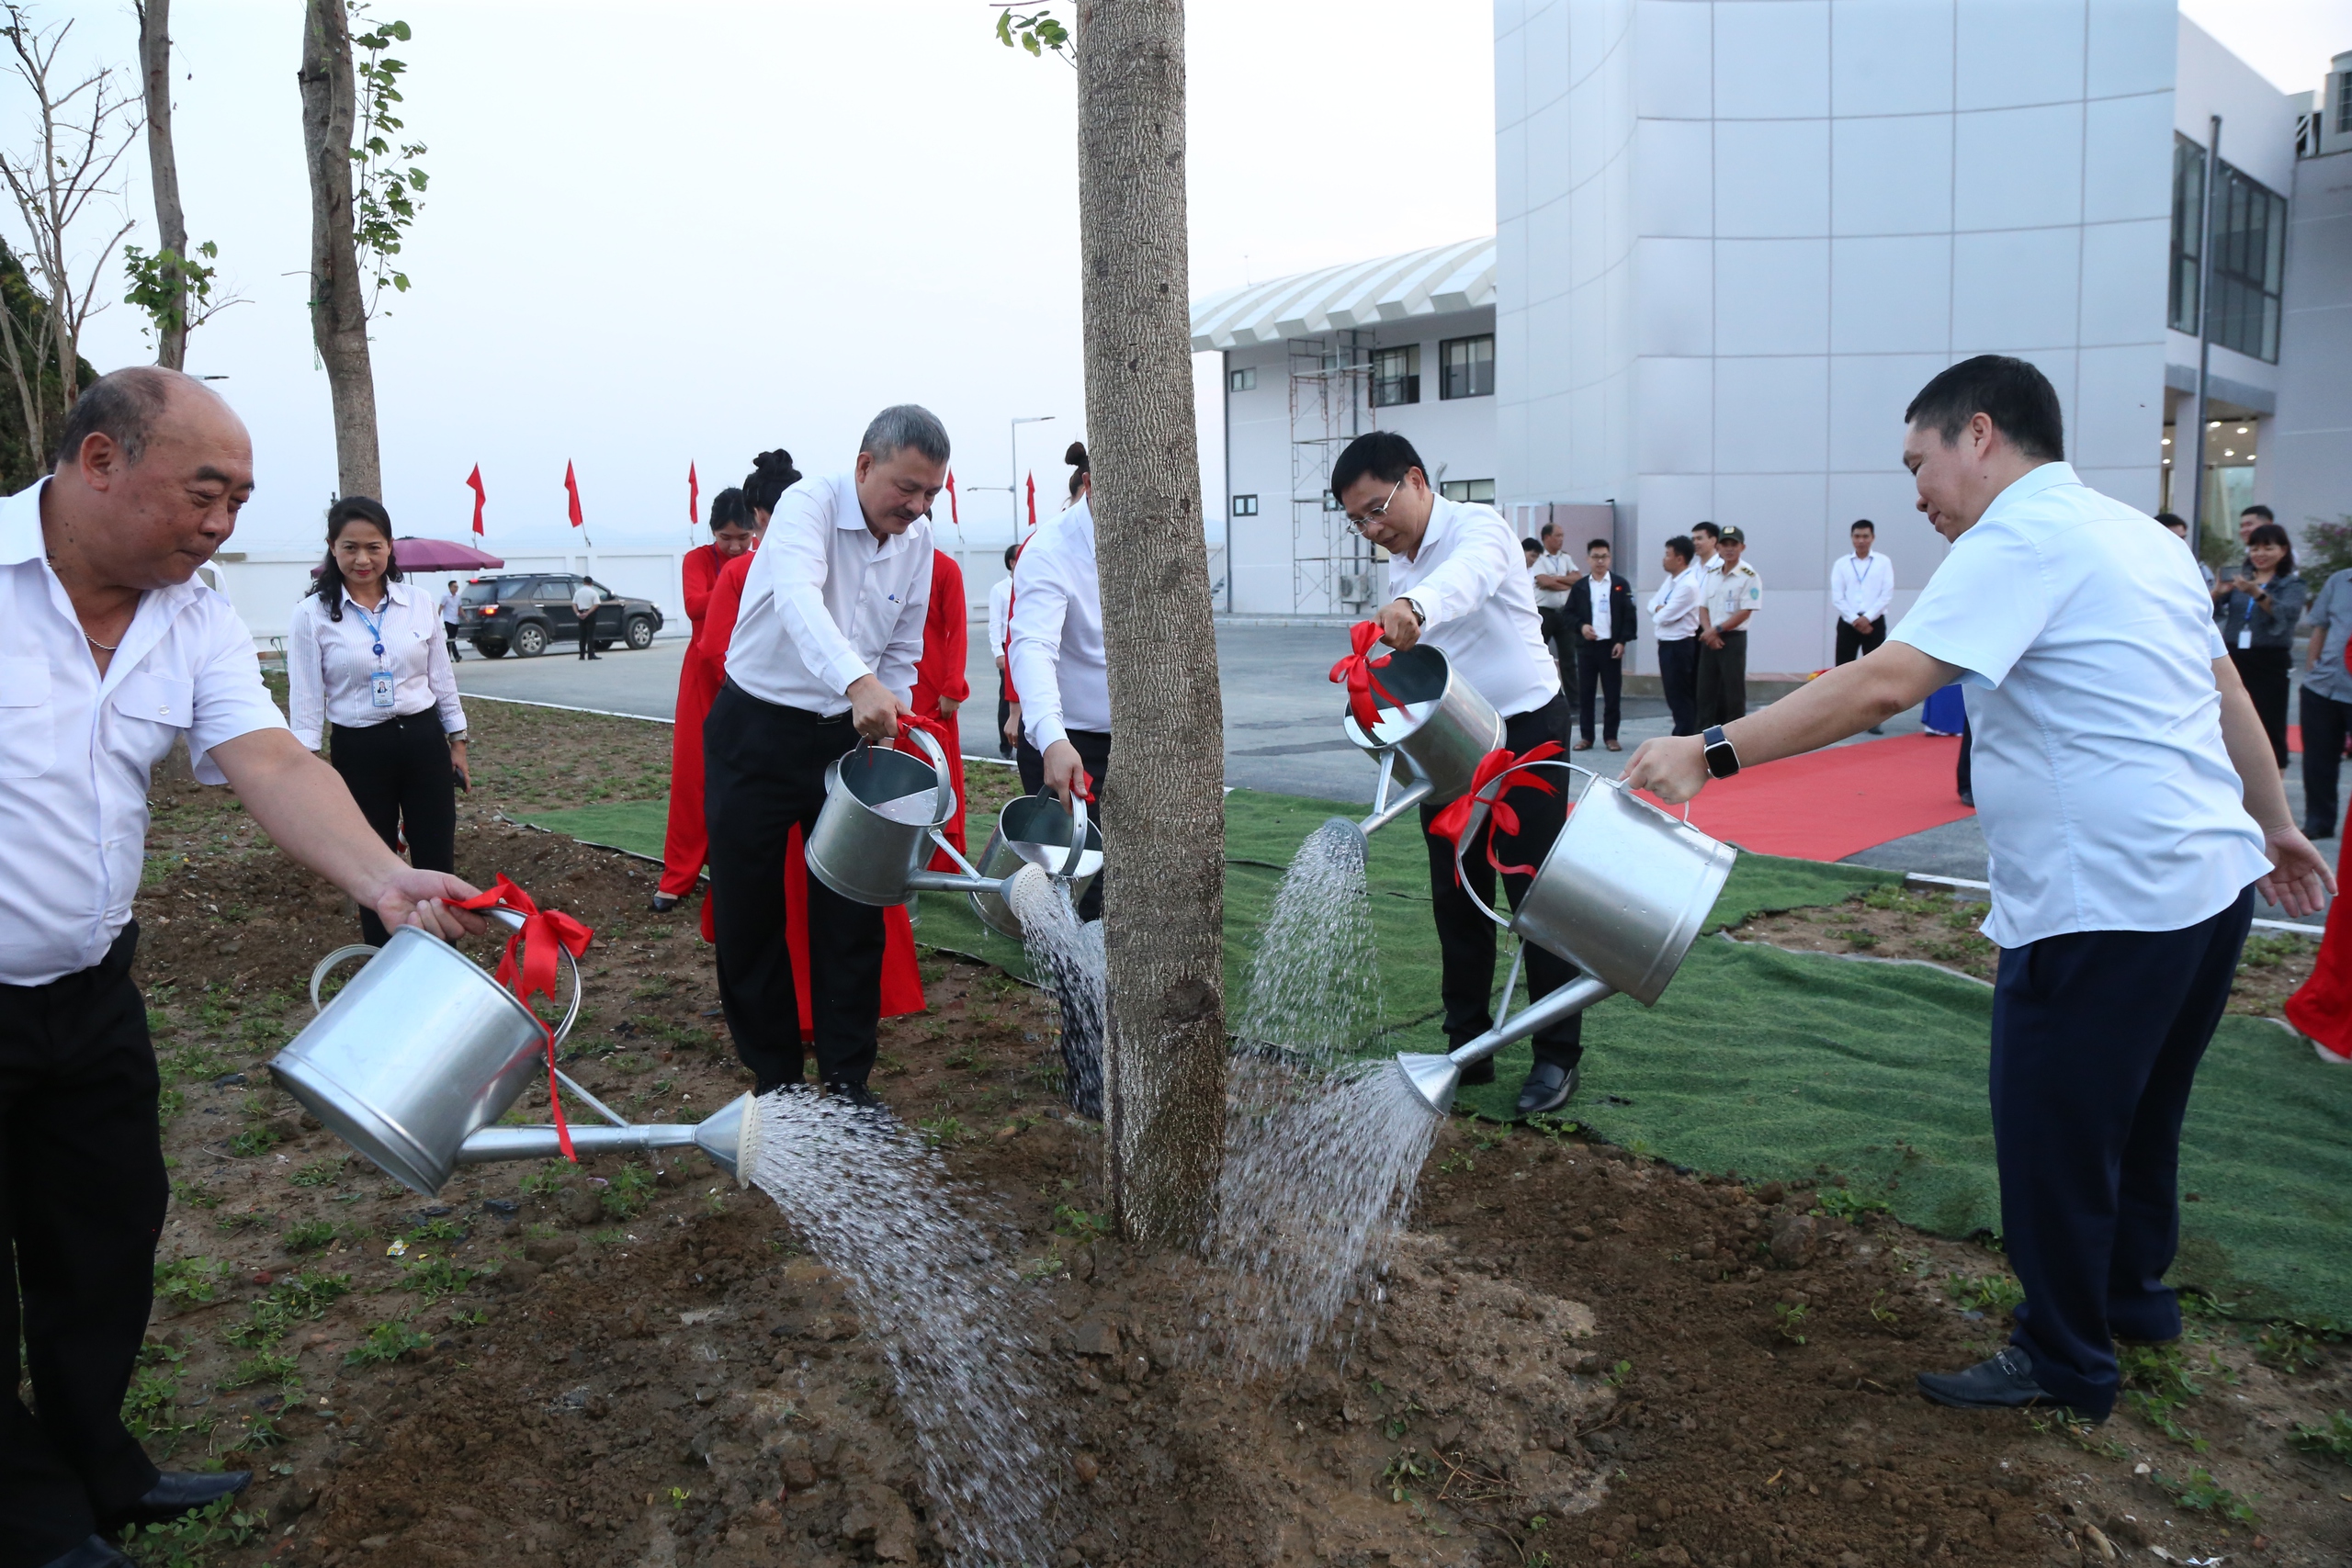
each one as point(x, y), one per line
point(254, 1140)
point(147, 1405)
point(942, 1131)
point(318, 1173)
point(302, 1297)
point(441, 1229)
point(1985, 1292)
point(2200, 1491)
point(309, 1237)
point(1616, 1376)
point(2286, 1347)
point(2333, 1439)
point(244, 1220)
point(185, 1281)
point(631, 1190)
point(194, 1194)
point(546, 1181)
point(433, 1278)
point(386, 1343)
point(1071, 1221)
point(1407, 1471)
point(195, 1541)
point(1051, 1266)
point(1881, 1313)
point(1844, 1204)
point(1456, 1162)
point(267, 1366)
point(679, 1497)
point(2266, 952)
point(2157, 1384)
point(1792, 1321)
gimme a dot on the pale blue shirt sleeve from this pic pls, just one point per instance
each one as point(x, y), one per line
point(1984, 608)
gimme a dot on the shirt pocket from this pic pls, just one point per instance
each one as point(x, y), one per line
point(28, 728)
point(168, 700)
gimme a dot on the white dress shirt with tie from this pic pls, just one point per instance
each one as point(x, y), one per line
point(825, 602)
point(76, 748)
point(1674, 608)
point(1470, 581)
point(1861, 585)
point(1058, 669)
point(331, 665)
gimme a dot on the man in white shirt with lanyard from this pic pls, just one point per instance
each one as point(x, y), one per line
point(1674, 621)
point(822, 656)
point(1557, 574)
point(1861, 586)
point(1462, 586)
point(110, 654)
point(2132, 808)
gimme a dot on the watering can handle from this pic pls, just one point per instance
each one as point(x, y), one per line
point(325, 966)
point(938, 755)
point(1077, 834)
point(1478, 814)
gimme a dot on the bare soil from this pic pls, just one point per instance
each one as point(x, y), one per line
point(1584, 1357)
point(1888, 923)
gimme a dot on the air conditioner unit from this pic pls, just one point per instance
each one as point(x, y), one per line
point(1356, 589)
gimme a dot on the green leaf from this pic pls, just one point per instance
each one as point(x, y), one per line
point(1005, 28)
point(1029, 42)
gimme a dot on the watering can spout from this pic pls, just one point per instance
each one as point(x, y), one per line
point(729, 1136)
point(1433, 1077)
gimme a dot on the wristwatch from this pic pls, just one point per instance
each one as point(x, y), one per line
point(1722, 760)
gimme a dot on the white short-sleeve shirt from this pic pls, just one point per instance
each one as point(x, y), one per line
point(76, 748)
point(2107, 799)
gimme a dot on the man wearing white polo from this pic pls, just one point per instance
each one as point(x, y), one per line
point(2132, 810)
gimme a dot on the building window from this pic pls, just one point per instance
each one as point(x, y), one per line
point(1396, 375)
point(2344, 101)
point(2188, 199)
point(2249, 253)
point(1245, 506)
point(2249, 263)
point(1242, 380)
point(1480, 490)
point(1468, 365)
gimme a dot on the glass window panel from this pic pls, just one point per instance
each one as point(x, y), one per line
point(1469, 367)
point(1396, 375)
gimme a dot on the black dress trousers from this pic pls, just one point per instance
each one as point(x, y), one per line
point(764, 775)
point(1466, 938)
point(82, 1199)
point(400, 775)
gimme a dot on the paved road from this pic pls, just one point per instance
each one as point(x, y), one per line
point(1282, 730)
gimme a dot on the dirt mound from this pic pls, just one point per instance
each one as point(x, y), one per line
point(1582, 1357)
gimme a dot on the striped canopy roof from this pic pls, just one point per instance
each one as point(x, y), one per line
point(1444, 278)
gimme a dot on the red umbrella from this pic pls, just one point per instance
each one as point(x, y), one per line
point(440, 555)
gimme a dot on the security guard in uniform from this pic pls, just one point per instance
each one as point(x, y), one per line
point(1734, 595)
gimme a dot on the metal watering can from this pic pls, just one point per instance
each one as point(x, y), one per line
point(884, 809)
point(1438, 726)
point(1621, 896)
point(423, 1050)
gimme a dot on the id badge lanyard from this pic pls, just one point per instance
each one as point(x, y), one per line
point(379, 682)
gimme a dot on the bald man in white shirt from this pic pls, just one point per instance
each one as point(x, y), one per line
point(108, 655)
point(1462, 585)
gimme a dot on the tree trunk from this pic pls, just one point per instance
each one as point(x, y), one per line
point(164, 170)
point(338, 311)
point(1164, 902)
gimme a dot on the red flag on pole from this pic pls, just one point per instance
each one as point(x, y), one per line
point(1032, 500)
point(571, 488)
point(474, 482)
point(694, 497)
point(952, 515)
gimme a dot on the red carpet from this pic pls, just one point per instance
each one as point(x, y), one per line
point(1831, 803)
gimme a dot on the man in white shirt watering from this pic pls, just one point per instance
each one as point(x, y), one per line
point(109, 655)
point(2132, 807)
point(823, 654)
point(1462, 586)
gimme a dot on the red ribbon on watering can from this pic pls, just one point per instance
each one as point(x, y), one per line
point(534, 975)
point(1356, 670)
point(1454, 820)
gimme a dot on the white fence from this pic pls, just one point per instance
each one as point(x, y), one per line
point(265, 585)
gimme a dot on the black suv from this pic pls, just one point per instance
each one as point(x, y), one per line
point(529, 611)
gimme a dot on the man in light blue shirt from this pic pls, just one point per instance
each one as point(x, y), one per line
point(2326, 702)
point(2130, 807)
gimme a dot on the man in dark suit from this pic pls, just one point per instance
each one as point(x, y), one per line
point(1600, 616)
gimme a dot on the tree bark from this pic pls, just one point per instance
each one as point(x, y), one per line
point(163, 169)
point(1164, 902)
point(338, 310)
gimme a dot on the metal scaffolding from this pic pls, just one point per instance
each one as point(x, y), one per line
point(1330, 404)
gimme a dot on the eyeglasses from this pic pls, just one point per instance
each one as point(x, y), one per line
point(1374, 514)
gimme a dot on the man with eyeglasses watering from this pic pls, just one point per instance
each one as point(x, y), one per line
point(1462, 586)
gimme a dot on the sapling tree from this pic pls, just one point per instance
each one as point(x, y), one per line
point(1164, 1062)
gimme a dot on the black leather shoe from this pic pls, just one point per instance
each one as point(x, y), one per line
point(2004, 1382)
point(179, 1492)
point(1549, 1086)
point(664, 902)
point(92, 1553)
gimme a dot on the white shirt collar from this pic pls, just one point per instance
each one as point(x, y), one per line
point(396, 592)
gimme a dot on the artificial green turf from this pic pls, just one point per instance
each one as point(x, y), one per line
point(1781, 1064)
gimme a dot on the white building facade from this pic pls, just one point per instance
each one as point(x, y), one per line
point(1735, 237)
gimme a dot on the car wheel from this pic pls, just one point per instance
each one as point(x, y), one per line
point(491, 649)
point(530, 639)
point(640, 632)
